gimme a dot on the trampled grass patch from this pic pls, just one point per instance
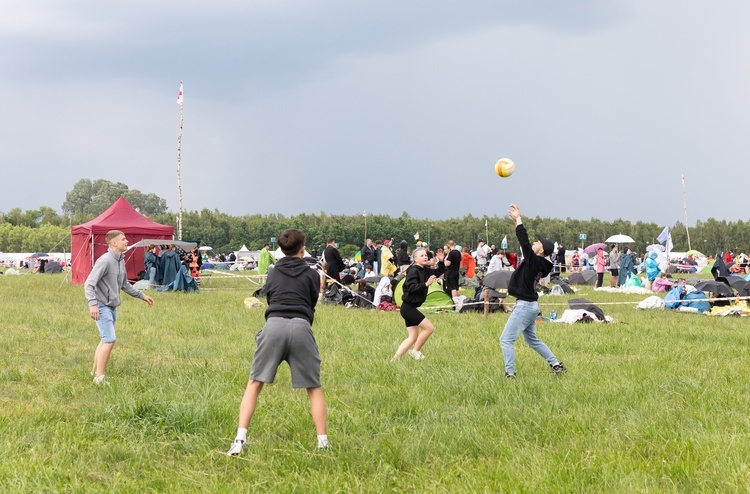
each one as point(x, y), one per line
point(655, 402)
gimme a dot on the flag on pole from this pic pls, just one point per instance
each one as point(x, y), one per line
point(504, 243)
point(485, 222)
point(663, 235)
point(416, 236)
point(669, 244)
point(179, 96)
point(364, 213)
point(683, 179)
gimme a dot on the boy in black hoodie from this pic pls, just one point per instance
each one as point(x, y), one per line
point(522, 285)
point(292, 292)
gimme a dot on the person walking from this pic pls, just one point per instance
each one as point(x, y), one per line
point(418, 279)
point(522, 285)
point(102, 288)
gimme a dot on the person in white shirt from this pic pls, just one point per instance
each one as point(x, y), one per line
point(383, 289)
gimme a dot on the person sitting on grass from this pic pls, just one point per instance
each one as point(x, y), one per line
point(292, 293)
point(522, 285)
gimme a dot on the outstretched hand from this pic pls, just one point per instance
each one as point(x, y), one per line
point(514, 212)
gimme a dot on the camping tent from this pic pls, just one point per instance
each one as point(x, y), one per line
point(88, 242)
point(436, 297)
point(243, 252)
point(277, 254)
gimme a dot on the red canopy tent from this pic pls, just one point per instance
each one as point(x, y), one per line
point(88, 239)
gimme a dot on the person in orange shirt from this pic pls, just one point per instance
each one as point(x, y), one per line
point(468, 261)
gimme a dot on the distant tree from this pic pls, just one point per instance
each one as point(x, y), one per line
point(88, 199)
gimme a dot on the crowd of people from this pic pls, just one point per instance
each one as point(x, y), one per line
point(163, 264)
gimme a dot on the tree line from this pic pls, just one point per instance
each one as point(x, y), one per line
point(45, 229)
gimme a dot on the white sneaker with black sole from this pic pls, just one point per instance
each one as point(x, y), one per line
point(237, 446)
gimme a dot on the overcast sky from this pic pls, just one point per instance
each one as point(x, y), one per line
point(341, 106)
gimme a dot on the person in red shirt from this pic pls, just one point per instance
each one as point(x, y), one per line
point(468, 262)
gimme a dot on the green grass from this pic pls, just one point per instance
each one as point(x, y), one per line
point(656, 402)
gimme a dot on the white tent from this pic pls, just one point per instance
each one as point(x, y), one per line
point(243, 252)
point(277, 254)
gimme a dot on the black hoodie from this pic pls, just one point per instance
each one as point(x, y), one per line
point(524, 279)
point(292, 289)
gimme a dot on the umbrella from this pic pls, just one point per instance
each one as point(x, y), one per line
point(562, 283)
point(375, 278)
point(657, 247)
point(716, 287)
point(591, 249)
point(587, 277)
point(736, 282)
point(53, 267)
point(693, 252)
point(205, 247)
point(582, 303)
point(40, 254)
point(620, 239)
point(497, 280)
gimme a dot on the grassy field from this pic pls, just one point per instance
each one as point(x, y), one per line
point(656, 402)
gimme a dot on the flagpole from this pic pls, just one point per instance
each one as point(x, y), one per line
point(486, 233)
point(364, 213)
point(684, 204)
point(179, 160)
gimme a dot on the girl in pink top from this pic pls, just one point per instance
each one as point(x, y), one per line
point(601, 266)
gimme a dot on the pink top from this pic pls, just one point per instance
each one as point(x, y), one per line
point(601, 263)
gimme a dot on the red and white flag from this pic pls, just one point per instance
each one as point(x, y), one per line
point(683, 179)
point(179, 96)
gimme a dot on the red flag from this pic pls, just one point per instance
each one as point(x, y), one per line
point(179, 96)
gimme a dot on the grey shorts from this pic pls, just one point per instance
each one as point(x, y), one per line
point(291, 340)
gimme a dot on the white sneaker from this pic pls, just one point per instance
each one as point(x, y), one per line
point(237, 446)
point(101, 380)
point(416, 354)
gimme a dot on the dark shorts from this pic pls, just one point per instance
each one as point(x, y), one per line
point(412, 316)
point(291, 340)
point(615, 272)
point(450, 281)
